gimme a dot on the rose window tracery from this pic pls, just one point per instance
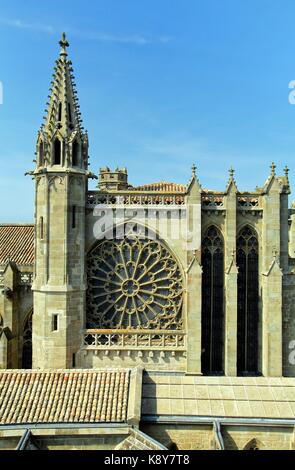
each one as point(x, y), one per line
point(133, 283)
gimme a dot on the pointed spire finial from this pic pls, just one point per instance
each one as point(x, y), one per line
point(194, 169)
point(286, 171)
point(63, 44)
point(231, 172)
point(273, 169)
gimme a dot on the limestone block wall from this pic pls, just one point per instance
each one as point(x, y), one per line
point(289, 325)
point(56, 348)
point(181, 436)
point(264, 437)
point(150, 360)
point(238, 437)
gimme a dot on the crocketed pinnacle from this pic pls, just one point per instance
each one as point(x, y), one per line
point(62, 110)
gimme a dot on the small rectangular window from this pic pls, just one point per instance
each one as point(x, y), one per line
point(74, 360)
point(55, 322)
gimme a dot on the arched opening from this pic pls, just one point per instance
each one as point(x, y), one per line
point(27, 343)
point(254, 444)
point(57, 152)
point(76, 151)
point(212, 302)
point(248, 313)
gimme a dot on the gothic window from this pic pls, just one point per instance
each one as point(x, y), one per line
point(41, 153)
point(27, 344)
point(212, 302)
point(133, 283)
point(247, 262)
point(76, 149)
point(57, 152)
point(59, 111)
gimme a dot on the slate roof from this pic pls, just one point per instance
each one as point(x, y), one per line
point(17, 243)
point(64, 396)
point(228, 397)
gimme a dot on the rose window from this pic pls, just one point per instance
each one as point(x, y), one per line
point(133, 283)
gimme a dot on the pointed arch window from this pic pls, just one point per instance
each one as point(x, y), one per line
point(212, 302)
point(248, 313)
point(76, 152)
point(57, 152)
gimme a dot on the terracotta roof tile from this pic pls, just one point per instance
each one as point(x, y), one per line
point(63, 396)
point(162, 186)
point(17, 244)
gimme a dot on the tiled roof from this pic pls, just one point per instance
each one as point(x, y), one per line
point(64, 396)
point(17, 243)
point(228, 397)
point(162, 186)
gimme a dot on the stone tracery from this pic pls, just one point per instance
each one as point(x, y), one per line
point(133, 283)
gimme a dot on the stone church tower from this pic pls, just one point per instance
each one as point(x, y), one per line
point(165, 312)
point(61, 185)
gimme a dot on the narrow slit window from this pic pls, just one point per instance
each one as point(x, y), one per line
point(74, 210)
point(59, 112)
point(41, 228)
point(55, 322)
point(74, 360)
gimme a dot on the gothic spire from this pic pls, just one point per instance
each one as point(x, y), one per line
point(62, 111)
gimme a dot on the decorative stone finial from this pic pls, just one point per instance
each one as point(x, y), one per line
point(194, 169)
point(286, 171)
point(231, 172)
point(273, 169)
point(63, 44)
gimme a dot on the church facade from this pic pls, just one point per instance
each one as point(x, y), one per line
point(193, 289)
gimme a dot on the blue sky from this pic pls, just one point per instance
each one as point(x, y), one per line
point(161, 83)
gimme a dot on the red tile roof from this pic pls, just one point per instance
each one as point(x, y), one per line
point(59, 396)
point(162, 186)
point(17, 243)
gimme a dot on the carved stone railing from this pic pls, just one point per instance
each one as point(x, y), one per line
point(249, 202)
point(151, 340)
point(213, 201)
point(150, 199)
